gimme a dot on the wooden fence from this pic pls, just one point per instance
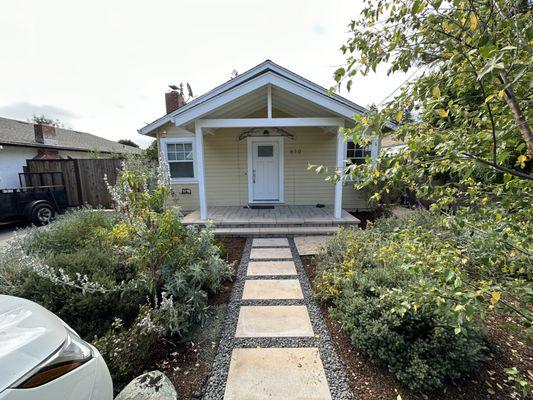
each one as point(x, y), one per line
point(84, 178)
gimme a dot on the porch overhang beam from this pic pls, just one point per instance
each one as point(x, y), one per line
point(268, 122)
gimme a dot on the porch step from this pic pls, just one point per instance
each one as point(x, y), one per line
point(274, 224)
point(276, 231)
point(257, 226)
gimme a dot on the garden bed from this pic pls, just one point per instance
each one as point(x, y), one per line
point(188, 364)
point(369, 380)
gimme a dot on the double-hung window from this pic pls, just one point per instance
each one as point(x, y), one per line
point(357, 154)
point(180, 157)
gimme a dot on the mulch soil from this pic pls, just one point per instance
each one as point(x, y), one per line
point(232, 249)
point(369, 380)
point(367, 216)
point(187, 364)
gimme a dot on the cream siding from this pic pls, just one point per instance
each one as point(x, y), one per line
point(310, 146)
point(187, 202)
point(226, 176)
point(354, 199)
point(226, 172)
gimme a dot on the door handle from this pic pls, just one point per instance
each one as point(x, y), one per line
point(253, 176)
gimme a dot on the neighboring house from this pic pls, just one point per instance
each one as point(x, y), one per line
point(21, 141)
point(391, 146)
point(249, 141)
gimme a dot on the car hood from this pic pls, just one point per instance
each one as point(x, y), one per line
point(28, 335)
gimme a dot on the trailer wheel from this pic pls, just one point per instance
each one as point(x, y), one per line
point(42, 214)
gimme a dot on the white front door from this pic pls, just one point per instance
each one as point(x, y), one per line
point(265, 182)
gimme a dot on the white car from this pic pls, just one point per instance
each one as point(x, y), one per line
point(42, 358)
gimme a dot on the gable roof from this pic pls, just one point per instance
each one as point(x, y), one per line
point(261, 75)
point(19, 133)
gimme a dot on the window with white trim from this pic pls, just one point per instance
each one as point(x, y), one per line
point(180, 159)
point(356, 154)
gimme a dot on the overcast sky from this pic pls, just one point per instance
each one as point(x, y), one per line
point(103, 66)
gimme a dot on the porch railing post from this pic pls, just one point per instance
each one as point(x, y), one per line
point(340, 168)
point(200, 171)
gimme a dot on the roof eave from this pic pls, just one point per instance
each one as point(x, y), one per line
point(263, 68)
point(59, 147)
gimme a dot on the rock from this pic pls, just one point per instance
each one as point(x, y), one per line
point(153, 385)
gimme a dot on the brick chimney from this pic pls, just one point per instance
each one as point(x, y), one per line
point(45, 134)
point(174, 100)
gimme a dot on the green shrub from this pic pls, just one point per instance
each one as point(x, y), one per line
point(126, 349)
point(401, 289)
point(13, 270)
point(420, 346)
point(71, 231)
point(89, 313)
point(74, 252)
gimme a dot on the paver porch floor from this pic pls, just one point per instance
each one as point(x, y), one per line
point(280, 214)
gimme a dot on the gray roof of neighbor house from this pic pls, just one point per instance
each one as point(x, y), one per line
point(19, 133)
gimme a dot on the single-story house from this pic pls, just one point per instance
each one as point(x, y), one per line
point(21, 141)
point(247, 143)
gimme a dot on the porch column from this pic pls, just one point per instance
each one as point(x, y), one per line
point(199, 142)
point(340, 166)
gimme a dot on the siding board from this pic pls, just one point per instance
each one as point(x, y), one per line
point(226, 172)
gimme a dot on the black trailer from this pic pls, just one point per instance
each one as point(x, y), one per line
point(40, 196)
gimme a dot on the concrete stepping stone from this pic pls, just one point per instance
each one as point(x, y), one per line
point(268, 242)
point(309, 245)
point(264, 268)
point(272, 289)
point(274, 321)
point(270, 253)
point(276, 373)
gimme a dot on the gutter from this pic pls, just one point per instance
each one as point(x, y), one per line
point(47, 146)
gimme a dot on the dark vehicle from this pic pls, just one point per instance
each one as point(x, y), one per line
point(40, 196)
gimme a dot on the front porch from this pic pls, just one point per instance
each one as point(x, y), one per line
point(278, 220)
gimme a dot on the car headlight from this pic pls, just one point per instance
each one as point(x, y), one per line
point(73, 353)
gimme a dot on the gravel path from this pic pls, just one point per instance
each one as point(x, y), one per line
point(334, 371)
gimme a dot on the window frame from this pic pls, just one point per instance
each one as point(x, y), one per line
point(164, 142)
point(373, 148)
point(366, 150)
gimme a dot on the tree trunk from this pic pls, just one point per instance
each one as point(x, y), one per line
point(518, 115)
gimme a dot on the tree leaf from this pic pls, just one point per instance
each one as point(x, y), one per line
point(399, 116)
point(495, 297)
point(486, 51)
point(473, 21)
point(339, 73)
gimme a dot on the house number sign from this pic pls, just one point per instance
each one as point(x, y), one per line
point(295, 151)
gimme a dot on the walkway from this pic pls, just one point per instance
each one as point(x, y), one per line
point(275, 344)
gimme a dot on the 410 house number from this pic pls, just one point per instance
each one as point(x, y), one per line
point(295, 151)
